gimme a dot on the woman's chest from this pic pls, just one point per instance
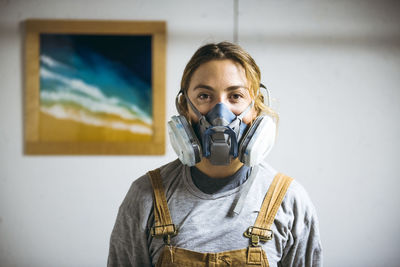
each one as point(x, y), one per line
point(209, 225)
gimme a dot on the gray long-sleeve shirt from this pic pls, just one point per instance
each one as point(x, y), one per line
point(206, 222)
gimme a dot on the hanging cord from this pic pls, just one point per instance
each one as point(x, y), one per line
point(235, 21)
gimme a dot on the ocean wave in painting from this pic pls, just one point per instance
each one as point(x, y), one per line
point(71, 90)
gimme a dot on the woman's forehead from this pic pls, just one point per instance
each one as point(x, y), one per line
point(219, 72)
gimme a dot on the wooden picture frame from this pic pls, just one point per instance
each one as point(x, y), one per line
point(95, 87)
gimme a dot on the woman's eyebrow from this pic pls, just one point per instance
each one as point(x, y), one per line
point(230, 88)
point(203, 86)
point(235, 87)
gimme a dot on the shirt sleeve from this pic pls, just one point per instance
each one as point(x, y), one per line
point(303, 247)
point(129, 237)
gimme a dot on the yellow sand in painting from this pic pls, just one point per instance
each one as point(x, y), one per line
point(53, 129)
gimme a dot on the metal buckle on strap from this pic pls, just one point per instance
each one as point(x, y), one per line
point(255, 238)
point(166, 236)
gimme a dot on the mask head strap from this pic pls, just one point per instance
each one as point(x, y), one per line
point(195, 110)
point(201, 117)
point(266, 94)
point(203, 121)
point(249, 107)
point(178, 108)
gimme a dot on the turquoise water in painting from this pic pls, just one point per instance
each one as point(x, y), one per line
point(97, 80)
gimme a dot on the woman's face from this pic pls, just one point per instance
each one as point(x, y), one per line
point(220, 81)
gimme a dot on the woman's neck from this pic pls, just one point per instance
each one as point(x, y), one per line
point(219, 171)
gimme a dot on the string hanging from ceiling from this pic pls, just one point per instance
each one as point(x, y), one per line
point(235, 21)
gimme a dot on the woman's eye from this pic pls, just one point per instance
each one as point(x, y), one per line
point(236, 97)
point(203, 96)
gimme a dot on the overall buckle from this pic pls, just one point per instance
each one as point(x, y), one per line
point(165, 234)
point(256, 238)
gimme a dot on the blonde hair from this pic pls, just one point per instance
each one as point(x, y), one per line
point(220, 51)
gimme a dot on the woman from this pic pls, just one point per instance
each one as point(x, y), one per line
point(220, 204)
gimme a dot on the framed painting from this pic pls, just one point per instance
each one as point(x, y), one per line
point(95, 87)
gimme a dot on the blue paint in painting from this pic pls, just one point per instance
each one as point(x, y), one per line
point(103, 74)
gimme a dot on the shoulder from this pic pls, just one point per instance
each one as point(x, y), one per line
point(171, 171)
point(297, 202)
point(299, 210)
point(139, 198)
point(298, 198)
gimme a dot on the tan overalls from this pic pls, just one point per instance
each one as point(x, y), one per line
point(253, 255)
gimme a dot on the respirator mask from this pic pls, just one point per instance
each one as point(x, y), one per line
point(221, 136)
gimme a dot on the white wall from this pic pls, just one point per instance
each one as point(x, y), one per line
point(333, 66)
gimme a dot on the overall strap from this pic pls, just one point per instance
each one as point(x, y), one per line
point(163, 225)
point(261, 231)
